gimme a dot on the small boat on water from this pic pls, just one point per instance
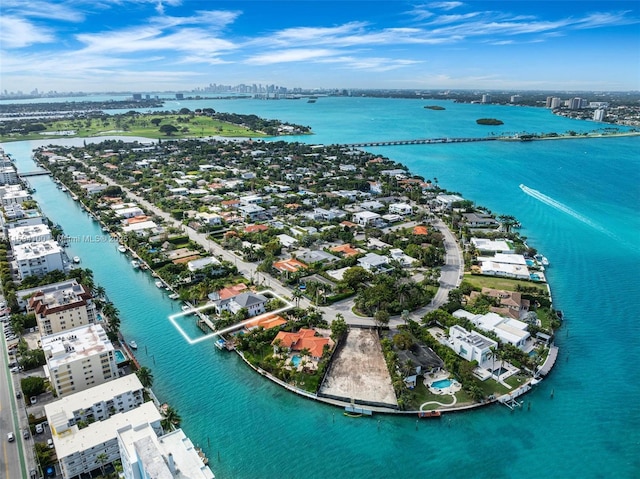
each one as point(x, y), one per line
point(174, 296)
point(122, 249)
point(133, 344)
point(76, 259)
point(135, 263)
point(186, 308)
point(429, 414)
point(159, 284)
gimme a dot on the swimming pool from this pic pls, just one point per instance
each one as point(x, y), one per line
point(295, 360)
point(120, 357)
point(441, 384)
point(530, 262)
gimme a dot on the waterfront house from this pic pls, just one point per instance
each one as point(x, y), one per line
point(255, 304)
point(511, 302)
point(508, 330)
point(303, 339)
point(470, 345)
point(488, 246)
point(478, 220)
point(221, 299)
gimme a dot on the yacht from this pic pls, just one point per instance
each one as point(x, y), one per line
point(159, 284)
point(133, 344)
point(135, 263)
point(76, 259)
point(122, 249)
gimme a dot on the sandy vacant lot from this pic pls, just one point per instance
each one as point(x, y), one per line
point(359, 370)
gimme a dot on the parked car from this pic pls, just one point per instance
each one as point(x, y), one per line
point(39, 428)
point(33, 399)
point(18, 394)
point(10, 437)
point(26, 434)
point(50, 443)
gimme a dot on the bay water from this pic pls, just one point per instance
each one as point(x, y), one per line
point(581, 211)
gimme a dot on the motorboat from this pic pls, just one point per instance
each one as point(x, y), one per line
point(122, 249)
point(76, 259)
point(159, 284)
point(133, 344)
point(135, 263)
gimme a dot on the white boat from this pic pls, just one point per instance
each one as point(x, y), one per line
point(174, 296)
point(159, 284)
point(133, 345)
point(135, 263)
point(76, 259)
point(122, 249)
point(186, 308)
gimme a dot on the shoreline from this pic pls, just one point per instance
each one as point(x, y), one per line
point(572, 137)
point(514, 393)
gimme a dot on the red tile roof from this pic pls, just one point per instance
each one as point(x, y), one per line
point(303, 339)
point(290, 264)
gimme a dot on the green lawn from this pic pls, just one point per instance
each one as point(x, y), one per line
point(139, 125)
point(501, 283)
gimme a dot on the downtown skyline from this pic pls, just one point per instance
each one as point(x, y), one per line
point(159, 45)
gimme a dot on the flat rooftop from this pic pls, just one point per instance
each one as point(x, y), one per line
point(74, 344)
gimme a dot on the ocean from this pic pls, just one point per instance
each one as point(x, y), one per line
point(580, 209)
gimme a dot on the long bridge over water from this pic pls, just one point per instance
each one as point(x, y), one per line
point(34, 173)
point(423, 141)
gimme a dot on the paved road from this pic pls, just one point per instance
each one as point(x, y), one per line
point(12, 462)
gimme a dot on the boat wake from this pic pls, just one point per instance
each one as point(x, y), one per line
point(547, 200)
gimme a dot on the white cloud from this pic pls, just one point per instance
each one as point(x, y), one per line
point(286, 56)
point(445, 5)
point(42, 9)
point(18, 32)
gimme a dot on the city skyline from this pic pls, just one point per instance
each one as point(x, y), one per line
point(160, 45)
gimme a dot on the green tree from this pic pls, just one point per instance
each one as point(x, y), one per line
point(145, 376)
point(168, 130)
point(171, 419)
point(101, 460)
point(381, 318)
point(339, 328)
point(32, 385)
point(356, 277)
point(403, 340)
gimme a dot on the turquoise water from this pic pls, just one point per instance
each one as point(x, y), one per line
point(295, 360)
point(584, 220)
point(441, 384)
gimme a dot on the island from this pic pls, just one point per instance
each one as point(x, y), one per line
point(489, 121)
point(195, 213)
point(435, 107)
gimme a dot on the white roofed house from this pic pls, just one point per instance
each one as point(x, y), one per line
point(508, 330)
point(142, 228)
point(211, 219)
point(471, 345)
point(374, 262)
point(197, 266)
point(252, 211)
point(364, 218)
point(254, 303)
point(128, 212)
point(403, 209)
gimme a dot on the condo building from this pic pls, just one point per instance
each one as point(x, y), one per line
point(61, 306)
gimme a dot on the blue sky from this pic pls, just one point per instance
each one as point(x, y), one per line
point(156, 45)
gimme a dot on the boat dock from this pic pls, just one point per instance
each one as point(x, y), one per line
point(351, 409)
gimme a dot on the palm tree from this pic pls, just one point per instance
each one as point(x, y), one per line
point(102, 459)
point(145, 376)
point(297, 294)
point(171, 419)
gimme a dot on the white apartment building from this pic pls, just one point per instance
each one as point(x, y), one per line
point(61, 306)
point(79, 359)
point(29, 234)
point(78, 449)
point(37, 258)
point(470, 345)
point(15, 197)
point(95, 404)
point(145, 455)
point(8, 175)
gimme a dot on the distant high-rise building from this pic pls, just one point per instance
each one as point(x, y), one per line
point(515, 98)
point(599, 114)
point(575, 103)
point(556, 102)
point(137, 96)
point(486, 98)
point(548, 102)
point(179, 96)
